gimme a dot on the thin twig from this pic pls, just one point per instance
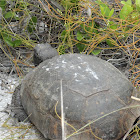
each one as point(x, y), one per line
point(126, 135)
point(62, 114)
point(135, 98)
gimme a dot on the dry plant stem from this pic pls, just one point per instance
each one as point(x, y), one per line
point(62, 113)
point(49, 35)
point(126, 135)
point(57, 5)
point(46, 8)
point(8, 24)
point(135, 98)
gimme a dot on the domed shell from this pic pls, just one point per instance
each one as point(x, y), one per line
point(92, 88)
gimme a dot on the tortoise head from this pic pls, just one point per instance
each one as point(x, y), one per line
point(43, 52)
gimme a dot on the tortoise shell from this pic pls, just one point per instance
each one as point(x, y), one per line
point(94, 91)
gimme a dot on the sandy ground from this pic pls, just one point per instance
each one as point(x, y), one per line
point(10, 129)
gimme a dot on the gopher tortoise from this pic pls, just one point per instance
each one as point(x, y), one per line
point(94, 93)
